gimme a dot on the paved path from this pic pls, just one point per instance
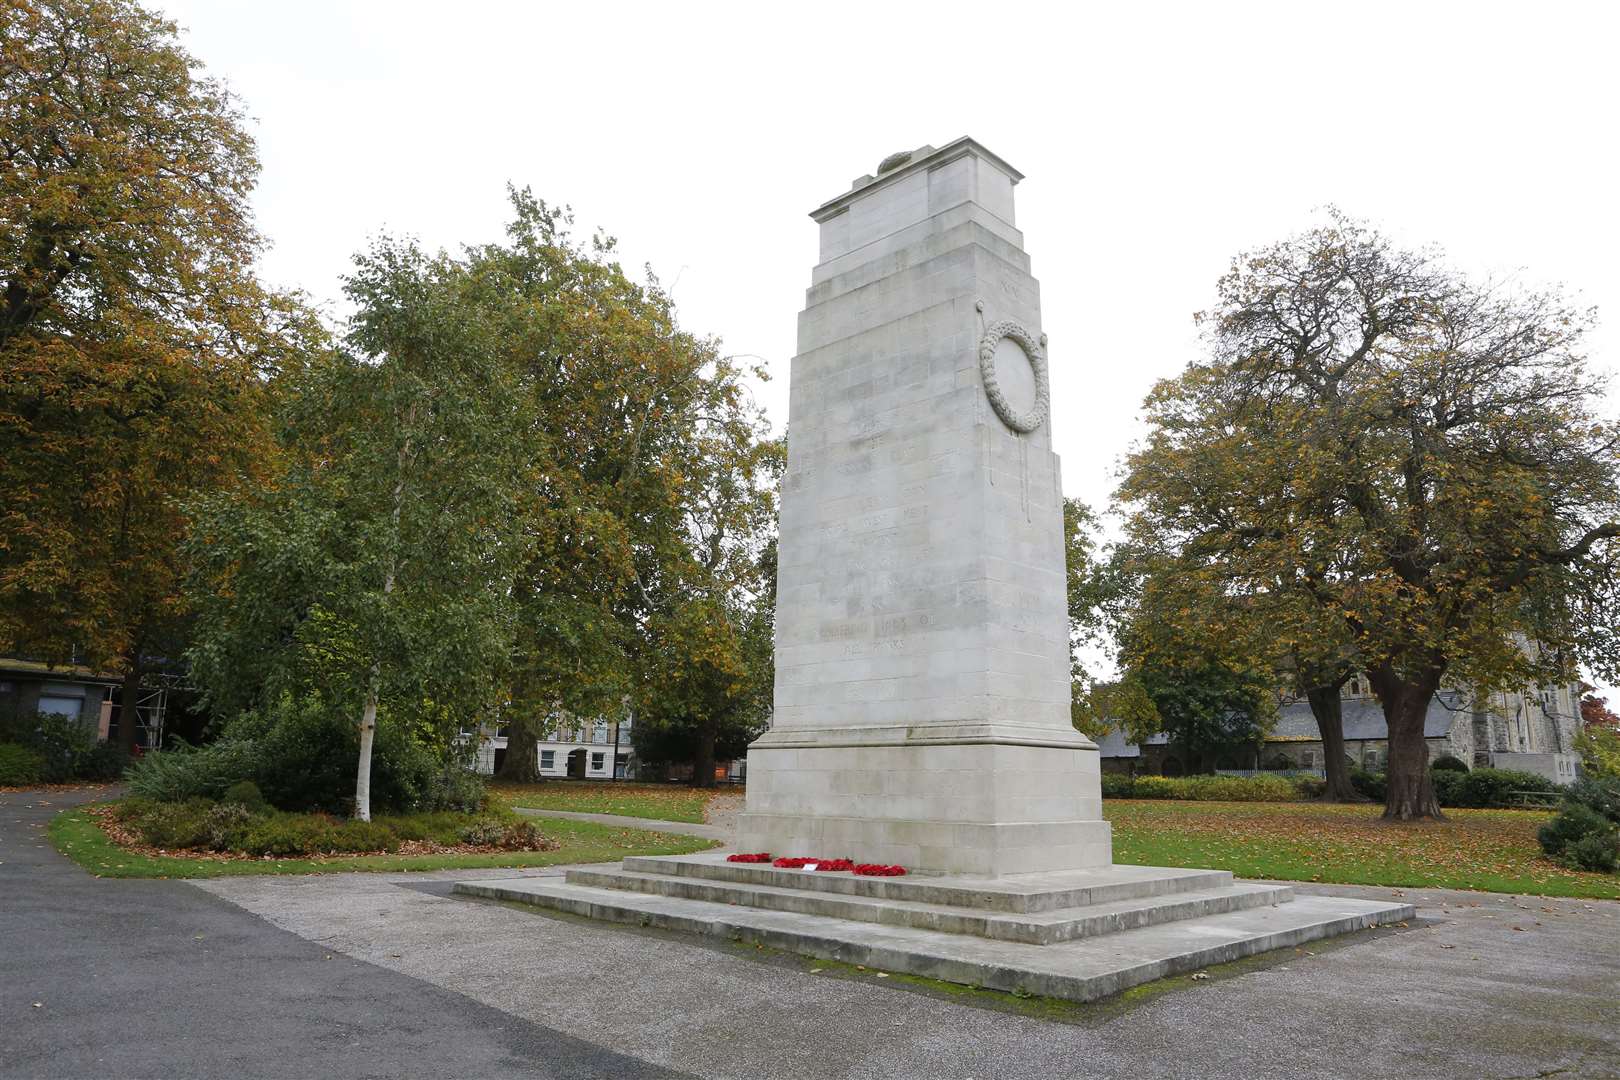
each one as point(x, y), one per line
point(423, 984)
point(163, 979)
point(685, 828)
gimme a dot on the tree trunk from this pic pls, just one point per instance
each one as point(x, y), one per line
point(368, 735)
point(1328, 708)
point(128, 717)
point(1406, 701)
point(703, 761)
point(522, 762)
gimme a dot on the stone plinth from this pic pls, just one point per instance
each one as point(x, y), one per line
point(922, 663)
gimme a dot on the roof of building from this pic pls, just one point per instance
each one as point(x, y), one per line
point(1363, 719)
point(12, 665)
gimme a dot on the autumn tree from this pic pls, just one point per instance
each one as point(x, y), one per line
point(137, 350)
point(1412, 456)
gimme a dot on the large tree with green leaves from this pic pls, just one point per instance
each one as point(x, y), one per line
point(378, 570)
point(1409, 459)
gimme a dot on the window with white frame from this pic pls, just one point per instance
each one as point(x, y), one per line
point(598, 762)
point(548, 759)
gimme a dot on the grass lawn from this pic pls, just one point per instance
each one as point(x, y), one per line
point(661, 802)
point(77, 835)
point(1488, 850)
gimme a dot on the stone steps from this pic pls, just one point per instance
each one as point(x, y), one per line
point(1079, 970)
point(800, 894)
point(1016, 893)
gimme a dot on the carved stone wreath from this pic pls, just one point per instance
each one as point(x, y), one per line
point(1035, 350)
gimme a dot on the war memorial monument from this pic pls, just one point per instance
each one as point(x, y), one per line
point(922, 656)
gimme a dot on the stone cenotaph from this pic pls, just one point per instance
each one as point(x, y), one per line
point(922, 636)
point(922, 659)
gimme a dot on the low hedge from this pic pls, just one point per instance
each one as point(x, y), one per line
point(1480, 788)
point(233, 826)
point(1206, 788)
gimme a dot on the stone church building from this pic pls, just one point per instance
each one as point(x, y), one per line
point(1533, 731)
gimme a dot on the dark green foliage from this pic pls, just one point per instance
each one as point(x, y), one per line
point(1601, 793)
point(1573, 822)
point(1597, 851)
point(1207, 708)
point(103, 761)
point(1310, 787)
point(291, 834)
point(1449, 763)
point(1478, 789)
point(301, 755)
point(1117, 786)
point(363, 837)
point(176, 825)
point(1371, 784)
point(20, 766)
point(246, 794)
point(190, 773)
point(1202, 788)
point(1447, 784)
point(1495, 787)
point(66, 747)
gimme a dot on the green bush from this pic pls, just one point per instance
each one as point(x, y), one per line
point(364, 837)
point(246, 794)
point(103, 761)
point(301, 755)
point(290, 834)
point(454, 787)
point(1493, 788)
point(1212, 788)
point(191, 773)
point(1597, 851)
point(1117, 786)
point(227, 825)
point(20, 766)
point(176, 826)
point(1449, 763)
point(68, 749)
point(1574, 821)
point(1374, 785)
point(1447, 783)
point(307, 750)
point(1600, 793)
point(1308, 786)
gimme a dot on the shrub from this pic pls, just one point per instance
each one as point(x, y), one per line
point(227, 825)
point(1449, 763)
point(454, 787)
point(290, 834)
point(1597, 851)
point(177, 825)
point(1374, 785)
point(1214, 788)
point(68, 749)
point(20, 766)
point(1447, 782)
point(364, 837)
point(1308, 786)
point(306, 752)
point(484, 832)
point(187, 773)
point(246, 794)
point(1600, 793)
point(1574, 821)
point(1599, 748)
point(1494, 787)
point(103, 761)
point(1117, 786)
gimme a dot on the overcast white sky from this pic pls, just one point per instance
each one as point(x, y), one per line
point(1157, 141)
